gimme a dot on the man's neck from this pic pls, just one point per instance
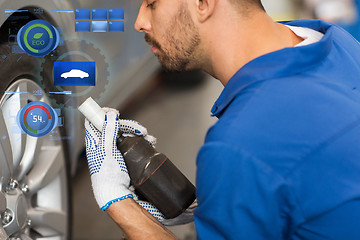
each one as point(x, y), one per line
point(232, 46)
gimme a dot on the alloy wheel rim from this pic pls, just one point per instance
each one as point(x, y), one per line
point(33, 192)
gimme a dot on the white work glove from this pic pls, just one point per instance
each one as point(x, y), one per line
point(109, 177)
point(111, 181)
point(186, 217)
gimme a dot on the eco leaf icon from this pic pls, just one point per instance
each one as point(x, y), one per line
point(38, 35)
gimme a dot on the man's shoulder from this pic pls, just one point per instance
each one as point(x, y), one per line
point(284, 103)
point(287, 117)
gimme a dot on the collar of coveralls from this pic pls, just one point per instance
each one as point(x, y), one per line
point(289, 61)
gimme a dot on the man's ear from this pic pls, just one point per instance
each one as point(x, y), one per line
point(204, 9)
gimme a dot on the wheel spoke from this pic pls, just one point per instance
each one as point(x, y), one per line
point(6, 164)
point(48, 222)
point(32, 147)
point(10, 108)
point(5, 169)
point(25, 237)
point(43, 99)
point(2, 203)
point(2, 233)
point(47, 167)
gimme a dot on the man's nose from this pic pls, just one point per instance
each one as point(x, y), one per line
point(142, 23)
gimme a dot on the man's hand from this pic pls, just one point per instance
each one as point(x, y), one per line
point(186, 217)
point(109, 176)
point(111, 181)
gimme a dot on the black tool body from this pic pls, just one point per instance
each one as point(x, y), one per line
point(155, 177)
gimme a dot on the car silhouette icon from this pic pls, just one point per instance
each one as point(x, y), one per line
point(75, 73)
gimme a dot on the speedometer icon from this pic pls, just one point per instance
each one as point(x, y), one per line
point(37, 119)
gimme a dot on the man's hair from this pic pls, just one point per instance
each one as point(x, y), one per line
point(247, 5)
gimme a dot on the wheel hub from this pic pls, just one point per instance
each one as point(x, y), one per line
point(15, 217)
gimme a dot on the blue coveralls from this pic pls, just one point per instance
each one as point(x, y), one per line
point(283, 160)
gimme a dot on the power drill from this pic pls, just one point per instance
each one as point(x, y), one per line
point(153, 175)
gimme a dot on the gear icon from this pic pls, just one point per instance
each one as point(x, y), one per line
point(74, 50)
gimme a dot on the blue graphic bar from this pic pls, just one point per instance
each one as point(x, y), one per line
point(99, 20)
point(64, 92)
point(116, 26)
point(116, 14)
point(82, 26)
point(11, 92)
point(82, 14)
point(7, 11)
point(99, 26)
point(65, 11)
point(99, 14)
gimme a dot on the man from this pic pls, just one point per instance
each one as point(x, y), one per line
point(283, 160)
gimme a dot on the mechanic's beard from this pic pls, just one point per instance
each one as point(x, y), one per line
point(180, 45)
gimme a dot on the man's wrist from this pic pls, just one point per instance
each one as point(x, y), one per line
point(136, 222)
point(107, 205)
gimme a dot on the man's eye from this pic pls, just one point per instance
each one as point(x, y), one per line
point(151, 5)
